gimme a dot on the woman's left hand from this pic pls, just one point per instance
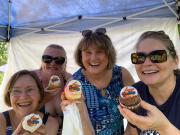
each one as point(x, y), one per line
point(155, 119)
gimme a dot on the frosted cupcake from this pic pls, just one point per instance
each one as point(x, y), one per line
point(129, 98)
point(54, 82)
point(32, 122)
point(73, 90)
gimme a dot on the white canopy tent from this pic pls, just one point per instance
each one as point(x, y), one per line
point(32, 25)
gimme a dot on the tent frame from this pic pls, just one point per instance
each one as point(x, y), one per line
point(111, 20)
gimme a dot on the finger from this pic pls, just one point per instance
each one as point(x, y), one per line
point(19, 129)
point(146, 106)
point(63, 97)
point(40, 131)
point(26, 133)
point(132, 117)
point(64, 103)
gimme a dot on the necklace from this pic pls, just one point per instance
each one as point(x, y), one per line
point(103, 92)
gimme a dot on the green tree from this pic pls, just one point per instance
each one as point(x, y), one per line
point(3, 57)
point(3, 53)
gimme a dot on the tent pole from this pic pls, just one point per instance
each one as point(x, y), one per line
point(9, 20)
point(46, 28)
point(3, 37)
point(61, 23)
point(170, 8)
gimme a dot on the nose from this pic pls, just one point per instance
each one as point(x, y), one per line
point(93, 56)
point(53, 62)
point(24, 94)
point(147, 61)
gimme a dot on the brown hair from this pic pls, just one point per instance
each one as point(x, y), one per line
point(13, 80)
point(165, 39)
point(102, 41)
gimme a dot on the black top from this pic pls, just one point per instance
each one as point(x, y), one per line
point(9, 129)
point(170, 108)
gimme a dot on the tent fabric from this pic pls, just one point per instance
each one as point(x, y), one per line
point(25, 51)
point(19, 17)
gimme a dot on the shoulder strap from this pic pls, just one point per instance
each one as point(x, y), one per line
point(45, 118)
point(7, 117)
point(42, 109)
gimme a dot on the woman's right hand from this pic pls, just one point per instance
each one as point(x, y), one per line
point(65, 102)
point(20, 131)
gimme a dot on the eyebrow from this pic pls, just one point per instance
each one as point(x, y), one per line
point(29, 86)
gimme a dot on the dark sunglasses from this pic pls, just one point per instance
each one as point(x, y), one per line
point(157, 56)
point(48, 59)
point(87, 33)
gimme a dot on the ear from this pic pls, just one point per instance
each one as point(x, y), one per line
point(176, 62)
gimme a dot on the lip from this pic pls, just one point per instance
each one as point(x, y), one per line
point(150, 72)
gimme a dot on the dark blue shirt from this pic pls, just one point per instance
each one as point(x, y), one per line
point(171, 108)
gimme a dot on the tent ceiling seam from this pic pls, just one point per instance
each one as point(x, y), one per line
point(165, 2)
point(130, 16)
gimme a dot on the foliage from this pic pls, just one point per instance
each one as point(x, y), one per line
point(1, 77)
point(3, 57)
point(3, 53)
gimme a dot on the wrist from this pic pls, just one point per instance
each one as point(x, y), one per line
point(169, 129)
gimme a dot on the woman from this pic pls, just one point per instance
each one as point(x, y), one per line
point(101, 80)
point(53, 63)
point(24, 93)
point(156, 64)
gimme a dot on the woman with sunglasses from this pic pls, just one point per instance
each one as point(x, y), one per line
point(101, 81)
point(53, 63)
point(24, 93)
point(156, 64)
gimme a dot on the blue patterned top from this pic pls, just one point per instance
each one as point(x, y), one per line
point(104, 114)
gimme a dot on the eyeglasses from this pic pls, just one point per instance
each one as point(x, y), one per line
point(157, 56)
point(87, 33)
point(48, 59)
point(18, 93)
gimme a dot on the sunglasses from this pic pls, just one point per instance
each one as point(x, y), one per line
point(48, 59)
point(99, 31)
point(157, 56)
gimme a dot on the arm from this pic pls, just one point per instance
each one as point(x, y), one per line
point(2, 125)
point(86, 122)
point(130, 130)
point(155, 120)
point(126, 76)
point(87, 126)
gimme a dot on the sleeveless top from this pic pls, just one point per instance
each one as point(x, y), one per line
point(103, 112)
point(9, 129)
point(170, 108)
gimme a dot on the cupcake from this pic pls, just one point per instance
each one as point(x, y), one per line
point(54, 82)
point(73, 90)
point(32, 122)
point(129, 98)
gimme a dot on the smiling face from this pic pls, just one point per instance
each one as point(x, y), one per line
point(53, 68)
point(94, 60)
point(25, 96)
point(155, 73)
